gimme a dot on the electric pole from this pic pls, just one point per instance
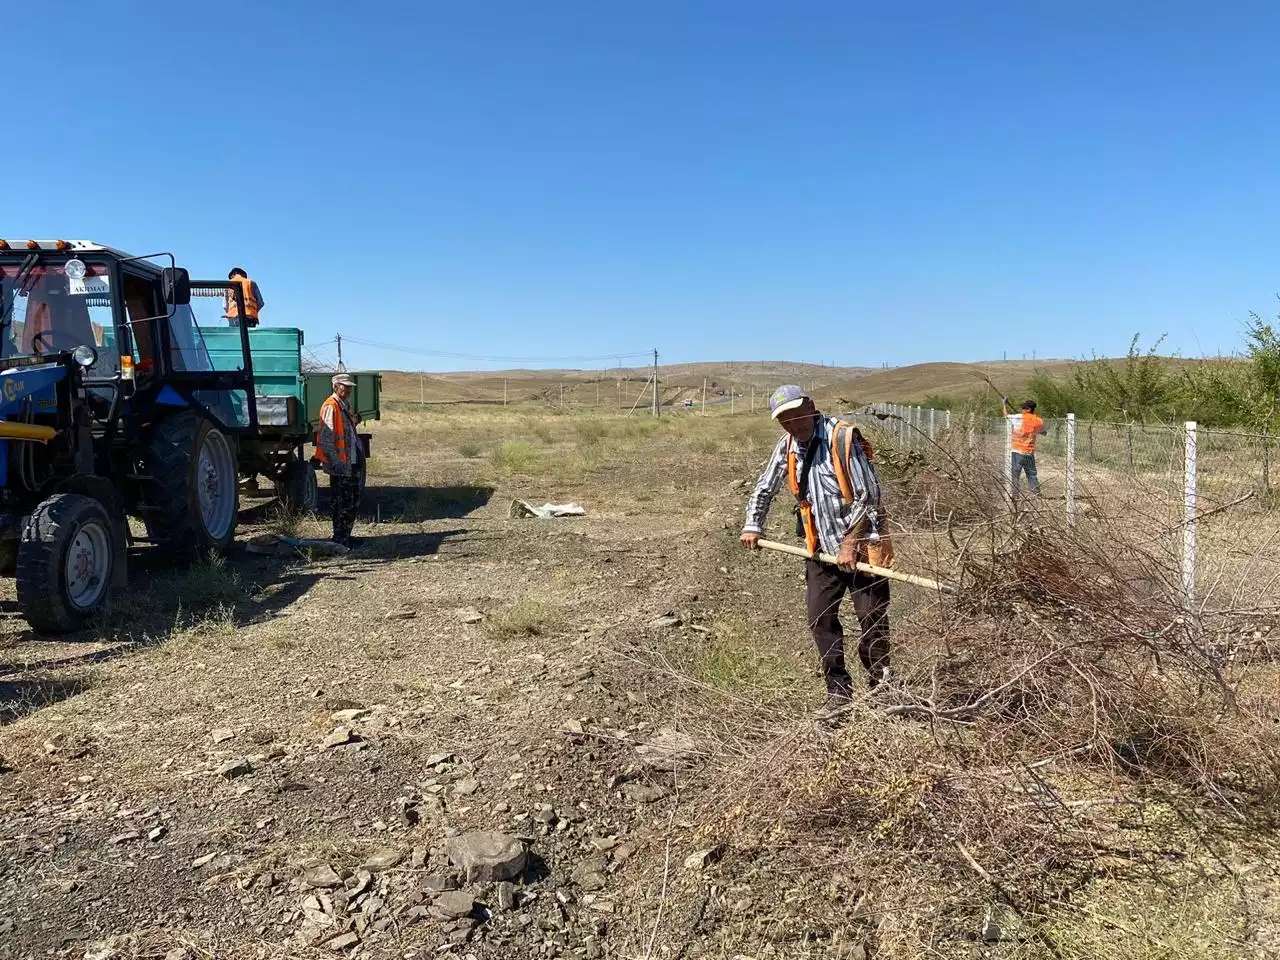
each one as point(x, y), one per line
point(655, 384)
point(341, 368)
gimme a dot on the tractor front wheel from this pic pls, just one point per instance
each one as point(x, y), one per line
point(65, 562)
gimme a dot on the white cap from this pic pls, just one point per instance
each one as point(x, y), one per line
point(342, 379)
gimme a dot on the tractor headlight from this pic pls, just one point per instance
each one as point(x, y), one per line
point(85, 355)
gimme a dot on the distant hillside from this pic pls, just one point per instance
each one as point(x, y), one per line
point(914, 383)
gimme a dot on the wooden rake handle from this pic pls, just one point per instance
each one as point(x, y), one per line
point(864, 567)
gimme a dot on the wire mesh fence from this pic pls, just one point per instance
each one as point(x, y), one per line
point(1206, 497)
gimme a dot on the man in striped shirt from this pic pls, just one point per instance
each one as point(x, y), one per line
point(838, 499)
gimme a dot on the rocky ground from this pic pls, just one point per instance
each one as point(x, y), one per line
point(463, 739)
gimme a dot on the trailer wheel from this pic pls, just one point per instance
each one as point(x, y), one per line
point(65, 562)
point(297, 488)
point(194, 495)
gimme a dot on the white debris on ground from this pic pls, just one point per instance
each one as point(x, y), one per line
point(522, 508)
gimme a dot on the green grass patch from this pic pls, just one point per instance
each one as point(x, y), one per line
point(590, 432)
point(515, 456)
point(525, 618)
point(730, 662)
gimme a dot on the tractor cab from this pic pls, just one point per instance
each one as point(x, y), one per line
point(110, 407)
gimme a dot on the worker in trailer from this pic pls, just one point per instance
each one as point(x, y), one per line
point(252, 295)
point(339, 452)
point(827, 464)
point(1026, 426)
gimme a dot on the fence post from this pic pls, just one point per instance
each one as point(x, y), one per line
point(947, 426)
point(1071, 469)
point(932, 424)
point(1189, 521)
point(1008, 459)
point(972, 444)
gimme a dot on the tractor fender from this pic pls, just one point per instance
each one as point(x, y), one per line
point(105, 492)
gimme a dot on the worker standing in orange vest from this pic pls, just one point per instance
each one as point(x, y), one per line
point(251, 294)
point(339, 452)
point(1026, 426)
point(827, 465)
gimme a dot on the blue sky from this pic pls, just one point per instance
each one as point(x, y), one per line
point(841, 182)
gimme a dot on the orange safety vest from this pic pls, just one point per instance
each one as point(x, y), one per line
point(842, 436)
point(250, 302)
point(339, 431)
point(1024, 437)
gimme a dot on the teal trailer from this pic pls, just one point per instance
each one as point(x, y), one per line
point(288, 402)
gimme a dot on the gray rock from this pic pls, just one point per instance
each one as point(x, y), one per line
point(199, 862)
point(464, 788)
point(438, 758)
point(666, 751)
point(436, 884)
point(589, 874)
point(323, 877)
point(487, 856)
point(346, 716)
point(645, 792)
point(454, 905)
point(665, 622)
point(604, 844)
point(470, 615)
point(221, 735)
point(506, 896)
point(701, 859)
point(342, 943)
point(1002, 923)
point(127, 837)
point(545, 814)
point(157, 833)
point(340, 737)
point(383, 860)
point(238, 767)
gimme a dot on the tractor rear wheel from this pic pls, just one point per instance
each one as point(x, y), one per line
point(297, 488)
point(194, 494)
point(65, 562)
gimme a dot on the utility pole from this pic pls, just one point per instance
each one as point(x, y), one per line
point(704, 396)
point(341, 368)
point(655, 384)
point(504, 391)
point(562, 396)
point(597, 393)
point(422, 389)
point(753, 398)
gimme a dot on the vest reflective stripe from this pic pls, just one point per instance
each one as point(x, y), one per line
point(339, 432)
point(250, 303)
point(1026, 427)
point(806, 511)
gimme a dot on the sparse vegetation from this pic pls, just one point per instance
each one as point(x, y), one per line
point(515, 456)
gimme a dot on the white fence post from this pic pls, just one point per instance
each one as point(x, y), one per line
point(947, 427)
point(1189, 520)
point(1008, 458)
point(932, 424)
point(1071, 469)
point(972, 437)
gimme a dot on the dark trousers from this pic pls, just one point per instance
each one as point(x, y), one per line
point(1024, 463)
point(825, 586)
point(344, 494)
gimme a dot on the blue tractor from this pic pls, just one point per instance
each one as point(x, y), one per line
point(110, 409)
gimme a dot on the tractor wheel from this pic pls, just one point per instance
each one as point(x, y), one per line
point(65, 562)
point(297, 488)
point(195, 492)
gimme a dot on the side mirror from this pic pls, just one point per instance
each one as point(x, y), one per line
point(177, 286)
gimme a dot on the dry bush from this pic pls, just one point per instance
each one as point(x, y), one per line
point(1063, 718)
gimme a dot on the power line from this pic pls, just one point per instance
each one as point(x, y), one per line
point(418, 351)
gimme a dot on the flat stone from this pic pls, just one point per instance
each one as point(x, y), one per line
point(464, 788)
point(506, 896)
point(323, 877)
point(645, 792)
point(199, 862)
point(400, 615)
point(603, 844)
point(667, 750)
point(221, 735)
point(126, 837)
point(438, 758)
point(238, 767)
point(344, 942)
point(589, 874)
point(346, 716)
point(470, 615)
point(487, 856)
point(340, 737)
point(384, 859)
point(454, 905)
point(701, 859)
point(665, 622)
point(437, 884)
point(156, 833)
point(359, 883)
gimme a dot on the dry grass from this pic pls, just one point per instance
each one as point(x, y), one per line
point(1118, 811)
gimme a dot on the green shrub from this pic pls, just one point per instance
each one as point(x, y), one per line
point(469, 450)
point(515, 456)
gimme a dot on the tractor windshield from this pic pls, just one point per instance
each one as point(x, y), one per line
point(45, 310)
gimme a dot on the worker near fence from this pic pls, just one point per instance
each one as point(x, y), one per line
point(339, 451)
point(827, 464)
point(250, 293)
point(1025, 427)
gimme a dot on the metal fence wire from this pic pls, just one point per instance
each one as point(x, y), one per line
point(1166, 477)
